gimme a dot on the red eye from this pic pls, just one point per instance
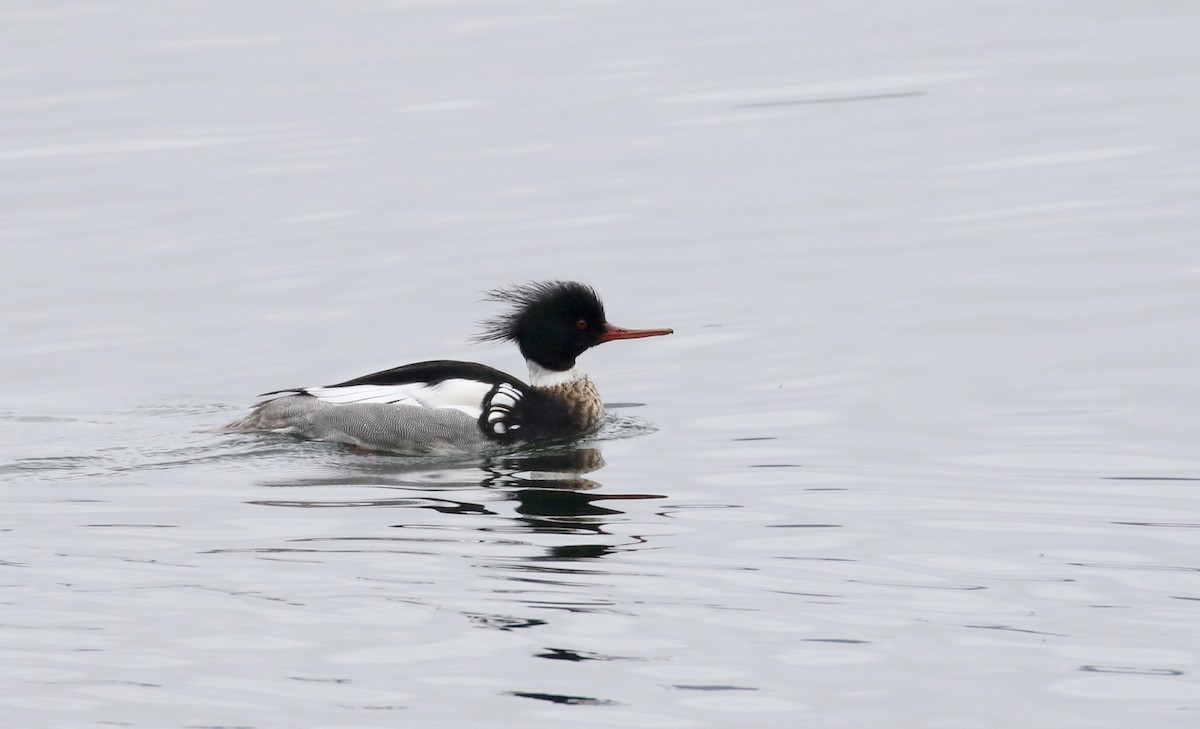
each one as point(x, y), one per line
point(581, 325)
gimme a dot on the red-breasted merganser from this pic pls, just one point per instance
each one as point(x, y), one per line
point(446, 406)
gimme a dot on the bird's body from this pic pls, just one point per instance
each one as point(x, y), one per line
point(447, 406)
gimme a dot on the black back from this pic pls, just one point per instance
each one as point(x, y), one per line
point(435, 371)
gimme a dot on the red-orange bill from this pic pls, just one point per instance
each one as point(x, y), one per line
point(611, 333)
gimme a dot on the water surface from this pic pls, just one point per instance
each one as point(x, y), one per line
point(922, 450)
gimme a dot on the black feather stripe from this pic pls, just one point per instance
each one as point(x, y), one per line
point(435, 371)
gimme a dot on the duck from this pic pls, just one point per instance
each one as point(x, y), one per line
point(455, 407)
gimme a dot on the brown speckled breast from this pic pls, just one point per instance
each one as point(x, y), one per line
point(584, 407)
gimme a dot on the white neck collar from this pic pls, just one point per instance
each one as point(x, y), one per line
point(541, 377)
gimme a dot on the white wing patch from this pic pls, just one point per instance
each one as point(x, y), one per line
point(459, 394)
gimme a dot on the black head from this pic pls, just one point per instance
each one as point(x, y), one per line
point(553, 322)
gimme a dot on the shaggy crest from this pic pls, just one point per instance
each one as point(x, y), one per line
point(550, 296)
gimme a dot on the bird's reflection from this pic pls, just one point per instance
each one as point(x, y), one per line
point(542, 491)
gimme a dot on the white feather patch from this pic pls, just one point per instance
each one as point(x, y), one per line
point(459, 394)
point(541, 377)
point(502, 404)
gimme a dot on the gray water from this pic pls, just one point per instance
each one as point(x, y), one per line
point(922, 451)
